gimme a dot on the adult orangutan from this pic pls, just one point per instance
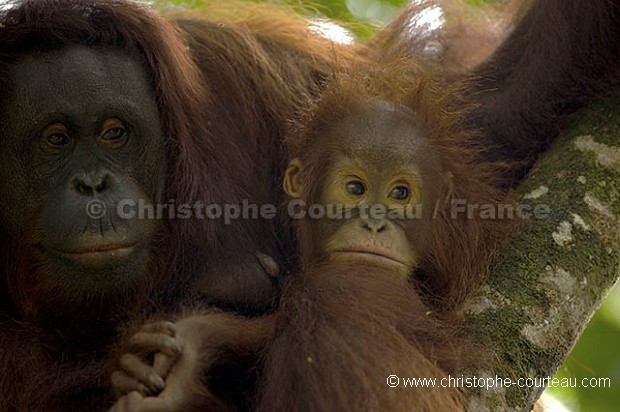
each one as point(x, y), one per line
point(106, 117)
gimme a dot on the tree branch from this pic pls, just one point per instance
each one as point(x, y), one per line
point(548, 281)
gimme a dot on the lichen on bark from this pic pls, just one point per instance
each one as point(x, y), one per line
point(550, 278)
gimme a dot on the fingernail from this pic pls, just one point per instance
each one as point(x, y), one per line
point(159, 383)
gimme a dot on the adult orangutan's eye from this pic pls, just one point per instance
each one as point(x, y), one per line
point(56, 136)
point(113, 134)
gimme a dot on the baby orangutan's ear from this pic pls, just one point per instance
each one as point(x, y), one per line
point(292, 179)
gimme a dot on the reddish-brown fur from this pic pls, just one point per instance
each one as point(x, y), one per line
point(223, 123)
point(519, 106)
point(464, 35)
point(344, 328)
point(341, 329)
point(557, 59)
point(233, 113)
point(447, 274)
point(53, 366)
point(558, 56)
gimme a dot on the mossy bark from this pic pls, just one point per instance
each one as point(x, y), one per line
point(550, 278)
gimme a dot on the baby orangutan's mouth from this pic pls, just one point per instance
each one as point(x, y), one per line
point(367, 255)
point(376, 250)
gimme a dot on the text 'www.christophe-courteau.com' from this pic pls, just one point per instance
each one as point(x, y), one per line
point(497, 382)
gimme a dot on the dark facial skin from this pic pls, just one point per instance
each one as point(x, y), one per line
point(82, 126)
point(377, 159)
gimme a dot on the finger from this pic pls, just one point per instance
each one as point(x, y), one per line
point(122, 384)
point(269, 264)
point(165, 328)
point(135, 367)
point(162, 364)
point(155, 342)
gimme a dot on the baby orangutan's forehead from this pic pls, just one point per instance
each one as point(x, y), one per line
point(372, 169)
point(380, 137)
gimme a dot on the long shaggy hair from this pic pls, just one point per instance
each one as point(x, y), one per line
point(224, 91)
point(345, 327)
point(345, 330)
point(457, 257)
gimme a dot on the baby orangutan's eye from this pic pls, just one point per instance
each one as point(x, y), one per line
point(356, 188)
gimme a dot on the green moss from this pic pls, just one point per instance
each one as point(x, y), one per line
point(515, 354)
point(589, 255)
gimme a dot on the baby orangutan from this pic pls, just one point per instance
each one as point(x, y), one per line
point(353, 319)
point(384, 266)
